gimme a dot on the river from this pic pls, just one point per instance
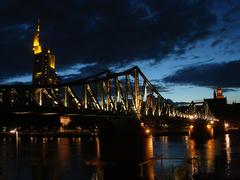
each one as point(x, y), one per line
point(163, 157)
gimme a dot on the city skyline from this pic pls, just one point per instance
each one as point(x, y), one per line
point(184, 58)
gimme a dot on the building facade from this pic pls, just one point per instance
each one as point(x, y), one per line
point(44, 72)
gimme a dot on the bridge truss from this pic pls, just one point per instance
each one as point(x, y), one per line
point(127, 92)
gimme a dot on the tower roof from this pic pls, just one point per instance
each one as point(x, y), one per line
point(36, 39)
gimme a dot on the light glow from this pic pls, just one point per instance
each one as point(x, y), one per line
point(147, 131)
point(226, 125)
point(13, 131)
point(209, 126)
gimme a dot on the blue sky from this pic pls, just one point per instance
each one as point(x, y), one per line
point(185, 48)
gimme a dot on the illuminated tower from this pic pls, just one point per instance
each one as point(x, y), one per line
point(219, 93)
point(43, 62)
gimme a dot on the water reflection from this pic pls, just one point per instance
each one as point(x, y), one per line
point(63, 150)
point(117, 157)
point(228, 148)
point(210, 155)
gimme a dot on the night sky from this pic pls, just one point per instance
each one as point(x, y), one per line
point(185, 47)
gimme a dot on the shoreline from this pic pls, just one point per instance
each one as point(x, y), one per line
point(89, 134)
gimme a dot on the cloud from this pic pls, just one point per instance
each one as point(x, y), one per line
point(17, 79)
point(209, 75)
point(103, 32)
point(232, 14)
point(216, 42)
point(159, 85)
point(230, 90)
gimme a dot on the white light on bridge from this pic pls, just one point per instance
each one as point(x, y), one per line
point(13, 131)
point(226, 125)
point(209, 126)
point(147, 131)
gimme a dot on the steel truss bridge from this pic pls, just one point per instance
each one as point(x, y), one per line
point(124, 93)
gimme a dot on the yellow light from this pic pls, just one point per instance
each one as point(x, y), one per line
point(52, 61)
point(209, 126)
point(13, 131)
point(211, 122)
point(38, 74)
point(65, 120)
point(191, 117)
point(36, 42)
point(226, 125)
point(191, 126)
point(147, 131)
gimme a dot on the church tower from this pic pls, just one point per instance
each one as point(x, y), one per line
point(219, 93)
point(43, 63)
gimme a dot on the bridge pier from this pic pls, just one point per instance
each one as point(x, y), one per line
point(202, 129)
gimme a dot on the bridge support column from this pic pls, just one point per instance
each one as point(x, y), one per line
point(116, 94)
point(40, 97)
point(108, 95)
point(85, 96)
point(66, 97)
point(126, 94)
point(102, 95)
point(137, 92)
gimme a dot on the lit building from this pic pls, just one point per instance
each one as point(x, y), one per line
point(43, 63)
point(219, 93)
point(218, 98)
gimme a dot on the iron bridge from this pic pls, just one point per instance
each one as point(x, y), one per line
point(123, 93)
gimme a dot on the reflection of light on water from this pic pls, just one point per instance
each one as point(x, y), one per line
point(192, 152)
point(63, 152)
point(210, 154)
point(44, 140)
point(185, 139)
point(228, 148)
point(164, 143)
point(98, 148)
point(164, 139)
point(149, 147)
point(149, 155)
point(78, 140)
point(31, 139)
point(191, 147)
point(17, 142)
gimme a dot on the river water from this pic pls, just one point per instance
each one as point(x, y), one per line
point(163, 157)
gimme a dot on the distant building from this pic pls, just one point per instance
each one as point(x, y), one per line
point(43, 63)
point(223, 111)
point(218, 98)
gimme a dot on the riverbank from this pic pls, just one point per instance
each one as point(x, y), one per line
point(66, 133)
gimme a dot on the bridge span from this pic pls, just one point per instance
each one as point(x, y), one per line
point(106, 94)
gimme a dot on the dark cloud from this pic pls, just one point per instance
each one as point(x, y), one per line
point(210, 75)
point(159, 85)
point(230, 15)
point(230, 90)
point(196, 57)
point(86, 72)
point(216, 42)
point(103, 31)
